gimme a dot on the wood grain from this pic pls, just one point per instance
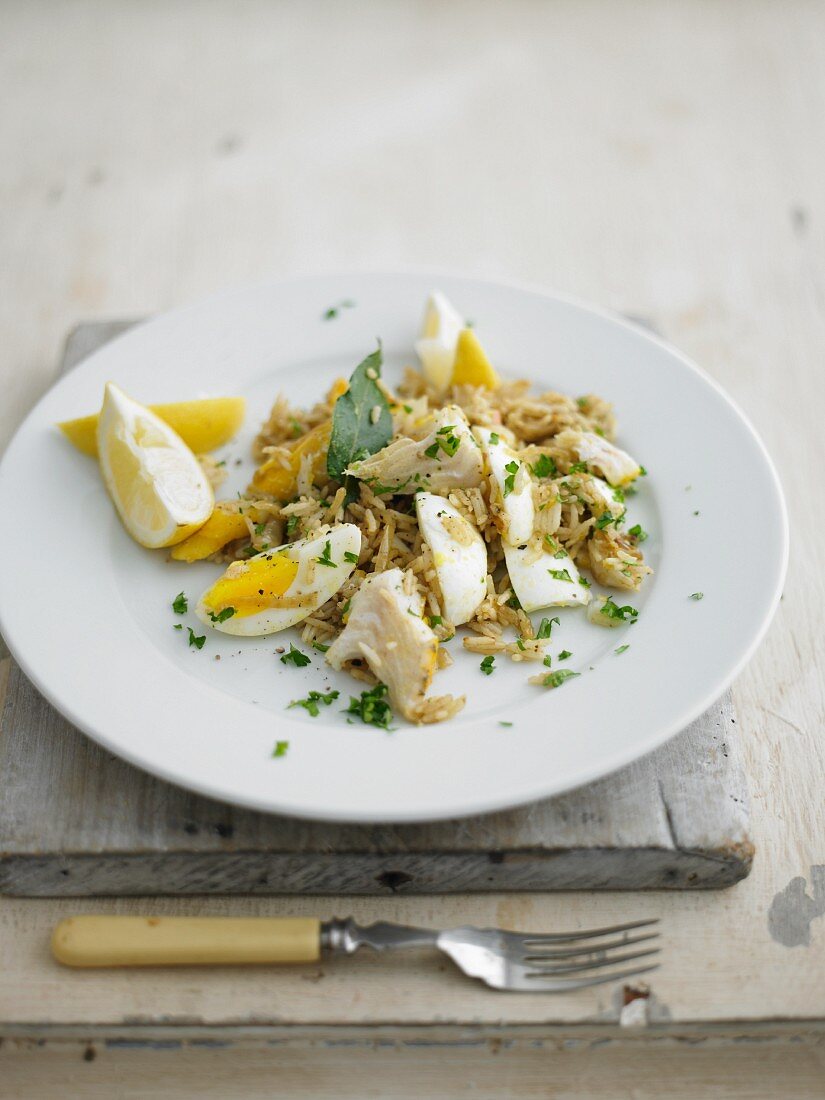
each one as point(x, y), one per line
point(676, 819)
point(664, 158)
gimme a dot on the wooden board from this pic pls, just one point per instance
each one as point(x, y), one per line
point(75, 820)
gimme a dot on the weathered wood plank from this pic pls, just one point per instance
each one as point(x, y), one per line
point(76, 820)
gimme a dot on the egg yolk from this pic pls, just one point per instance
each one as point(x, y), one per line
point(253, 586)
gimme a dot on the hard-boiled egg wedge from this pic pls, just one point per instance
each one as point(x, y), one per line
point(281, 587)
point(459, 556)
point(157, 485)
point(512, 497)
point(542, 579)
point(439, 337)
point(385, 629)
point(601, 455)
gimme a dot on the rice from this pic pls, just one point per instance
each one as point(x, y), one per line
point(567, 508)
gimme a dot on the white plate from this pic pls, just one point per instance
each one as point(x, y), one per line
point(87, 612)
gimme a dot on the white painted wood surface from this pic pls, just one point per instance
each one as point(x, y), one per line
point(677, 819)
point(664, 158)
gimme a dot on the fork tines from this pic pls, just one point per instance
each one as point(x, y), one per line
point(561, 956)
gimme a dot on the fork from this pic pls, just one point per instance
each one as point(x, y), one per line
point(554, 962)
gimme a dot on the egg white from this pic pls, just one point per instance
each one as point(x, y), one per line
point(517, 508)
point(461, 566)
point(534, 585)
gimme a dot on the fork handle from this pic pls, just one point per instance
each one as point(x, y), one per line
point(185, 941)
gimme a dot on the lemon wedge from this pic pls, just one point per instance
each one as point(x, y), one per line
point(472, 367)
point(154, 479)
point(203, 424)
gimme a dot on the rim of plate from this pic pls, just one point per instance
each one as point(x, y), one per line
point(471, 804)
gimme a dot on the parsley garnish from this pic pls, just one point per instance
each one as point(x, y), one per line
point(280, 749)
point(291, 523)
point(559, 554)
point(222, 616)
point(435, 620)
point(545, 466)
point(622, 649)
point(325, 559)
point(506, 724)
point(582, 402)
point(546, 626)
point(349, 556)
point(195, 641)
point(564, 655)
point(512, 469)
point(494, 438)
point(584, 582)
point(372, 707)
point(638, 532)
point(557, 678)
point(180, 605)
point(611, 611)
point(319, 646)
point(548, 661)
point(560, 575)
point(618, 495)
point(330, 314)
point(312, 700)
point(298, 658)
point(260, 528)
point(697, 595)
point(178, 626)
point(604, 520)
point(513, 602)
point(579, 468)
point(432, 451)
point(487, 664)
point(354, 433)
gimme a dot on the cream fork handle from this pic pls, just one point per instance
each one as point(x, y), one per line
point(185, 941)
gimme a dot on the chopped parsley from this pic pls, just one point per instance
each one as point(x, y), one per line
point(325, 559)
point(557, 678)
point(280, 749)
point(584, 582)
point(297, 428)
point(180, 604)
point(222, 616)
point(349, 556)
point(291, 523)
point(604, 520)
point(432, 451)
point(520, 644)
point(194, 640)
point(546, 626)
point(297, 658)
point(260, 528)
point(330, 314)
point(319, 646)
point(310, 704)
point(560, 575)
point(445, 441)
point(435, 620)
point(638, 532)
point(372, 707)
point(507, 725)
point(346, 607)
point(610, 610)
point(178, 626)
point(622, 649)
point(494, 438)
point(487, 665)
point(579, 468)
point(582, 402)
point(513, 602)
point(697, 595)
point(618, 495)
point(564, 655)
point(559, 554)
point(512, 469)
point(643, 473)
point(548, 661)
point(545, 466)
